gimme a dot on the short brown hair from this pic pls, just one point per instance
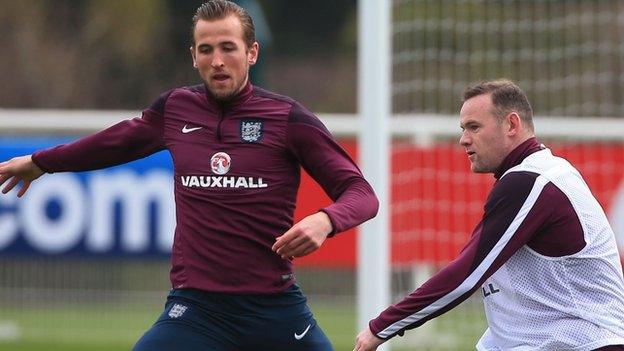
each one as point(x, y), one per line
point(507, 97)
point(220, 9)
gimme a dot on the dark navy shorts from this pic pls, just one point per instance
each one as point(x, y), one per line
point(194, 320)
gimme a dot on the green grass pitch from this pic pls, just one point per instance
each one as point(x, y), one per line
point(117, 327)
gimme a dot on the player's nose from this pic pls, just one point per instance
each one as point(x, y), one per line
point(464, 139)
point(217, 60)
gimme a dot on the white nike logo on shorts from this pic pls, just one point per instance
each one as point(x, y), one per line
point(300, 336)
point(186, 129)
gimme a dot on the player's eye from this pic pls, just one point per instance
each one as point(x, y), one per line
point(204, 49)
point(473, 127)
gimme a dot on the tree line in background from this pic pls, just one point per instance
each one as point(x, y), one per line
point(567, 55)
point(122, 54)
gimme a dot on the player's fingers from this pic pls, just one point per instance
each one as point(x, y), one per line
point(284, 239)
point(24, 188)
point(3, 178)
point(293, 239)
point(12, 183)
point(308, 249)
point(294, 249)
point(288, 250)
point(305, 248)
point(279, 243)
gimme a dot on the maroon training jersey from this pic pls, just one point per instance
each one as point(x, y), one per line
point(236, 174)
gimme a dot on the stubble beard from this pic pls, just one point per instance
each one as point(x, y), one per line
point(475, 168)
point(478, 167)
point(490, 166)
point(225, 94)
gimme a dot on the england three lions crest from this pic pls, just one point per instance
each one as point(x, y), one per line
point(177, 310)
point(251, 131)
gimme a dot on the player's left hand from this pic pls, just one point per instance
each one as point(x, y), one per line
point(366, 341)
point(19, 170)
point(304, 237)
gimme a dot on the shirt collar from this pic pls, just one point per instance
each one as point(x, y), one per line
point(518, 154)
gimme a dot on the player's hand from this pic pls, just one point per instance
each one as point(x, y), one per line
point(304, 237)
point(366, 341)
point(16, 170)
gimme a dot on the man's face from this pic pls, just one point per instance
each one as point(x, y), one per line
point(222, 57)
point(483, 135)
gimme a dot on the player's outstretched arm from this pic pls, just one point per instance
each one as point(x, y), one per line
point(19, 169)
point(305, 237)
point(366, 341)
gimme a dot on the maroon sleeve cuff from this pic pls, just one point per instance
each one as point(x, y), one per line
point(355, 206)
point(35, 158)
point(331, 220)
point(374, 327)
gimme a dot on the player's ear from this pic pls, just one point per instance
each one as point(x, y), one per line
point(514, 123)
point(192, 49)
point(252, 53)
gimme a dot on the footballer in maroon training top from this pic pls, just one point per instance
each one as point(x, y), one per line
point(236, 173)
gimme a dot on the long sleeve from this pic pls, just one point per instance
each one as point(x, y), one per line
point(331, 167)
point(515, 212)
point(123, 142)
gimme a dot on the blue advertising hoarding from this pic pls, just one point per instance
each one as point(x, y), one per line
point(127, 210)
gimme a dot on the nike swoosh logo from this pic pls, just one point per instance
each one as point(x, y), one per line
point(300, 336)
point(186, 129)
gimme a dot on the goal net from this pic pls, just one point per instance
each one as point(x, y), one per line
point(568, 55)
